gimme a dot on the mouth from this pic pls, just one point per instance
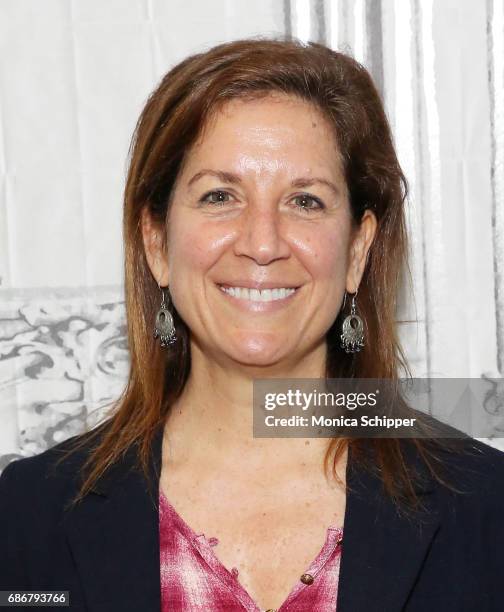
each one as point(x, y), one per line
point(270, 294)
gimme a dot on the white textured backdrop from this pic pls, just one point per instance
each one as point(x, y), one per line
point(74, 75)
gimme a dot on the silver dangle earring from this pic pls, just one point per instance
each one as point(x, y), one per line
point(164, 327)
point(352, 336)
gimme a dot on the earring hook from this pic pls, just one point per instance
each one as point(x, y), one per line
point(162, 289)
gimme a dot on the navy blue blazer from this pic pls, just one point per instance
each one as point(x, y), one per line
point(106, 550)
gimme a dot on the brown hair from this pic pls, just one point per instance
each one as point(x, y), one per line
point(170, 123)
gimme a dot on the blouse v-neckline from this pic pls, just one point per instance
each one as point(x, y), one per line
point(204, 546)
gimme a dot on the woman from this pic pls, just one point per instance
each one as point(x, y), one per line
point(263, 188)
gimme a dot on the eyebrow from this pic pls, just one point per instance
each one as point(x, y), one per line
point(234, 179)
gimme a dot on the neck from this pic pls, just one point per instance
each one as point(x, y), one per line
point(212, 421)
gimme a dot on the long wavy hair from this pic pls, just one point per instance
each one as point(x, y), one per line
point(171, 121)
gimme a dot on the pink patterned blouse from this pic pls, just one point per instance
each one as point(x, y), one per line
point(193, 579)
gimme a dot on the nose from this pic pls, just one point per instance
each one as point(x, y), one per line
point(261, 235)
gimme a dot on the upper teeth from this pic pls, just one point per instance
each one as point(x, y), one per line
point(259, 295)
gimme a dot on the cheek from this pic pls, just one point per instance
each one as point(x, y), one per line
point(324, 251)
point(193, 245)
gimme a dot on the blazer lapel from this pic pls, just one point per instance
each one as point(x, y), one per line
point(383, 551)
point(113, 535)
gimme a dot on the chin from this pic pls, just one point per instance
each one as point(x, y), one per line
point(258, 350)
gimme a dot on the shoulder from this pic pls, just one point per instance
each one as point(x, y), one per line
point(50, 472)
point(467, 463)
point(472, 469)
point(478, 461)
point(34, 493)
point(475, 507)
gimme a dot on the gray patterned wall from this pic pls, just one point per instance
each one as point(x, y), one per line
point(73, 78)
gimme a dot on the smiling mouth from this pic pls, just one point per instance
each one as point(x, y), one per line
point(259, 295)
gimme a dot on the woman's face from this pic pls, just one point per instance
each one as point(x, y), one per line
point(260, 241)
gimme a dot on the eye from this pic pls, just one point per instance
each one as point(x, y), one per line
point(215, 197)
point(308, 203)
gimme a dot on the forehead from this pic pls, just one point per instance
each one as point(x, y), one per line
point(273, 131)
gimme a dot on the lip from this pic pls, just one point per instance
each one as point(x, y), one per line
point(253, 306)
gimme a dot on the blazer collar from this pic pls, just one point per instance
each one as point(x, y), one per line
point(114, 538)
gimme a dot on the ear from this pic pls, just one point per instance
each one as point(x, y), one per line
point(154, 249)
point(359, 248)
